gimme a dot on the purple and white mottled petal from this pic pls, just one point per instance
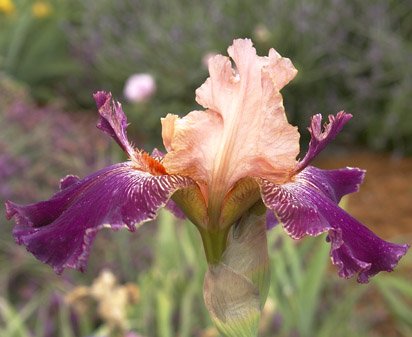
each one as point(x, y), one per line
point(304, 208)
point(298, 216)
point(112, 120)
point(59, 231)
point(333, 183)
point(321, 138)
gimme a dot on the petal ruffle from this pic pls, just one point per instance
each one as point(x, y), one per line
point(308, 207)
point(244, 131)
point(59, 231)
point(112, 120)
point(321, 138)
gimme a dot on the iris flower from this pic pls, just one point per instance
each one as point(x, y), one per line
point(220, 162)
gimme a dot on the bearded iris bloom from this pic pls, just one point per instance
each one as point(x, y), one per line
point(232, 170)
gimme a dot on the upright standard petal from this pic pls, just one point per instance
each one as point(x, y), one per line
point(308, 207)
point(243, 131)
point(112, 120)
point(320, 138)
point(59, 231)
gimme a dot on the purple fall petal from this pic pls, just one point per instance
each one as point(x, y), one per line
point(173, 208)
point(333, 183)
point(68, 181)
point(298, 215)
point(308, 207)
point(271, 220)
point(354, 248)
point(112, 120)
point(59, 231)
point(320, 138)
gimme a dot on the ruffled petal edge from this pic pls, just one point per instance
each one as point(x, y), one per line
point(59, 231)
point(308, 207)
point(321, 137)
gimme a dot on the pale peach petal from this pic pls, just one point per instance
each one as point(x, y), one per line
point(280, 70)
point(244, 131)
point(191, 144)
point(168, 129)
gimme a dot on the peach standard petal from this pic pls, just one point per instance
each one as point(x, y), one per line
point(243, 132)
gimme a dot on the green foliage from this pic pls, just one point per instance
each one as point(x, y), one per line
point(34, 48)
point(397, 293)
point(302, 288)
point(172, 300)
point(30, 297)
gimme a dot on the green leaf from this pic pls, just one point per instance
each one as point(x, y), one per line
point(312, 283)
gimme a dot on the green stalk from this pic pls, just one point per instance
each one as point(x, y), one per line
point(214, 243)
point(236, 287)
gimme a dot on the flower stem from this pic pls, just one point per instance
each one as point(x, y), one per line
point(236, 286)
point(214, 243)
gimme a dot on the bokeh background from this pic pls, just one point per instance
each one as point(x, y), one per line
point(354, 55)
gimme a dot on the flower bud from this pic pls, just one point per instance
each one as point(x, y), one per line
point(236, 288)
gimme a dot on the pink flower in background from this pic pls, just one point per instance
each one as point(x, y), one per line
point(139, 88)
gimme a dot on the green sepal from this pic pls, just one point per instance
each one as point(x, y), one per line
point(191, 202)
point(244, 194)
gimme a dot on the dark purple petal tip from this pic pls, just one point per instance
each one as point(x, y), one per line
point(112, 120)
point(101, 97)
point(10, 209)
point(357, 250)
point(59, 231)
point(321, 137)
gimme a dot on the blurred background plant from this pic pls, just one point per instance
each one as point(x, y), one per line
point(353, 55)
point(39, 144)
point(33, 46)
